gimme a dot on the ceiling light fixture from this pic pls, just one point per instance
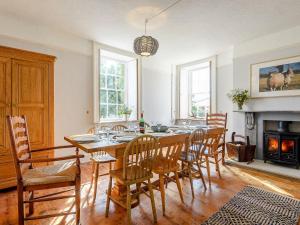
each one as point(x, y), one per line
point(148, 45)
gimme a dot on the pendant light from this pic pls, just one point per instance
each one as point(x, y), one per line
point(147, 45)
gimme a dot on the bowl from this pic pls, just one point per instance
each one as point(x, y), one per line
point(162, 128)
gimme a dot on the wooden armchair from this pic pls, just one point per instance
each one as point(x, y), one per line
point(137, 169)
point(166, 162)
point(219, 120)
point(30, 179)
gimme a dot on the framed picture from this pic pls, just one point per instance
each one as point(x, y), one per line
point(276, 78)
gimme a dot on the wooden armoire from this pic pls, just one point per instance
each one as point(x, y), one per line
point(26, 88)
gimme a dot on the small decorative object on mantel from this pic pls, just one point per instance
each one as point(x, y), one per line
point(276, 78)
point(126, 111)
point(239, 97)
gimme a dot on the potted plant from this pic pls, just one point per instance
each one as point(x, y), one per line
point(126, 111)
point(239, 97)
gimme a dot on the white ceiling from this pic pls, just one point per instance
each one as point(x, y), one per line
point(190, 30)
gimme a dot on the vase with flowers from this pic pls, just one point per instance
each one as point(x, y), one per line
point(126, 111)
point(239, 97)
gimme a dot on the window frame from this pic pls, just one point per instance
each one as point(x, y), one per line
point(213, 90)
point(97, 47)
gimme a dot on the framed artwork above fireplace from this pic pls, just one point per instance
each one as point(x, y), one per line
point(276, 78)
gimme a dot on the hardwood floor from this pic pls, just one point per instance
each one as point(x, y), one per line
point(191, 212)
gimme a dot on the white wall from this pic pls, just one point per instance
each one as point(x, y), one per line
point(271, 47)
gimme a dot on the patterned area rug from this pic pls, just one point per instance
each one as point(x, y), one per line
point(257, 206)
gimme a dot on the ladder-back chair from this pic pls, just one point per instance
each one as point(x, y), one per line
point(30, 179)
point(137, 169)
point(219, 120)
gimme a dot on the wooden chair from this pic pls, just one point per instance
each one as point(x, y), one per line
point(30, 179)
point(210, 150)
point(119, 127)
point(191, 156)
point(98, 158)
point(166, 162)
point(219, 120)
point(137, 168)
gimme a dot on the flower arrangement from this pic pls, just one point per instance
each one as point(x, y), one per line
point(239, 97)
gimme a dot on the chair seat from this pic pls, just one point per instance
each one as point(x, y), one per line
point(132, 175)
point(187, 157)
point(105, 158)
point(50, 174)
point(163, 165)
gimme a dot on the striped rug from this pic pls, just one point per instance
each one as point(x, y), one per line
point(257, 206)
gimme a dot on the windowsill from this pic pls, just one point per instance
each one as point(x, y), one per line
point(116, 121)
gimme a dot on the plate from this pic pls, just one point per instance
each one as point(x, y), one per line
point(85, 138)
point(125, 138)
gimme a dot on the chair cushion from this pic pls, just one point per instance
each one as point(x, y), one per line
point(50, 174)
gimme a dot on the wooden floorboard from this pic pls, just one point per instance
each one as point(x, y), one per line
point(193, 211)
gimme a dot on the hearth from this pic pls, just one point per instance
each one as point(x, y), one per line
point(281, 145)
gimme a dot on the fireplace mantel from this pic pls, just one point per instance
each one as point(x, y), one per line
point(266, 111)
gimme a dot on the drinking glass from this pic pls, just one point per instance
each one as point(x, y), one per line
point(158, 126)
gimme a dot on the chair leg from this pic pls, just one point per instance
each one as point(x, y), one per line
point(178, 186)
point(217, 165)
point(152, 201)
point(191, 179)
point(20, 205)
point(201, 175)
point(223, 154)
point(93, 172)
point(108, 196)
point(31, 206)
point(77, 200)
point(128, 205)
point(208, 169)
point(162, 192)
point(96, 176)
point(138, 188)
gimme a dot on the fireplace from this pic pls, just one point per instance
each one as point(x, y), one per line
point(281, 145)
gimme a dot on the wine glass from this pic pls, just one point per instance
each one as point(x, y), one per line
point(158, 125)
point(107, 130)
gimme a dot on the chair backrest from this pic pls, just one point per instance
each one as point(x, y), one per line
point(196, 143)
point(216, 119)
point(138, 157)
point(170, 149)
point(212, 139)
point(119, 127)
point(20, 144)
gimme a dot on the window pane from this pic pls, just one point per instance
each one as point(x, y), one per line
point(112, 111)
point(119, 82)
point(112, 68)
point(103, 96)
point(102, 81)
point(110, 82)
point(120, 97)
point(103, 110)
point(112, 97)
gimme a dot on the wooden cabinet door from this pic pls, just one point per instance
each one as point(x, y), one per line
point(30, 97)
point(7, 170)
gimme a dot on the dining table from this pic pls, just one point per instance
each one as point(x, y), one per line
point(116, 145)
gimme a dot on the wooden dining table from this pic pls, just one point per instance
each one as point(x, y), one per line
point(116, 149)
